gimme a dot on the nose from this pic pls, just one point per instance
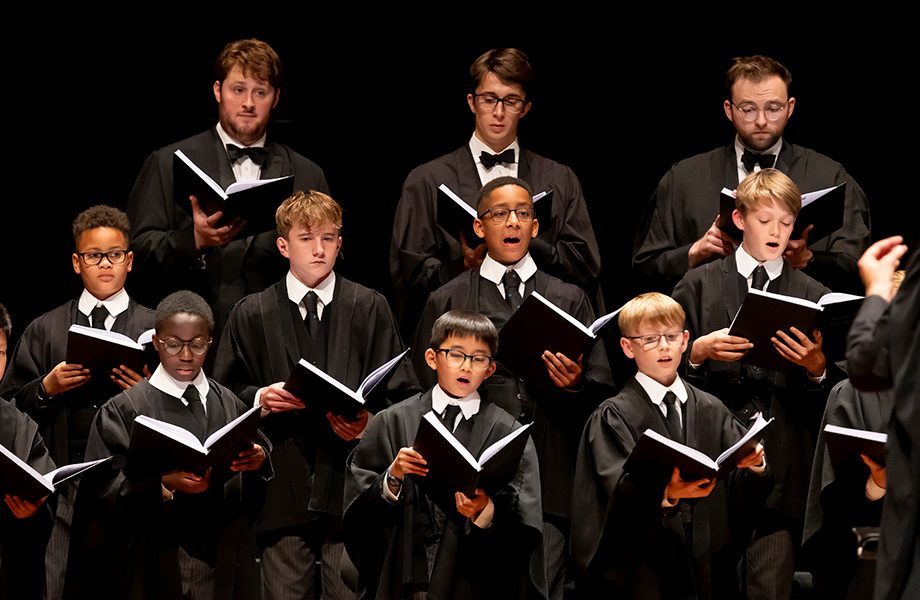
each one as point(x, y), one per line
point(663, 343)
point(185, 354)
point(467, 364)
point(514, 222)
point(248, 101)
point(318, 249)
point(499, 108)
point(761, 120)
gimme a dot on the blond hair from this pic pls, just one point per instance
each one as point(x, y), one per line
point(307, 209)
point(652, 308)
point(766, 187)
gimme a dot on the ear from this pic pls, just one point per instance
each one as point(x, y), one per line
point(791, 104)
point(277, 97)
point(728, 111)
point(686, 342)
point(627, 348)
point(536, 228)
point(217, 91)
point(76, 263)
point(478, 228)
point(525, 110)
point(431, 358)
point(283, 246)
point(490, 370)
point(338, 246)
point(471, 101)
point(129, 261)
point(737, 219)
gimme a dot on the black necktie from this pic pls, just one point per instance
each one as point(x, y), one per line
point(673, 416)
point(512, 285)
point(759, 278)
point(449, 416)
point(195, 406)
point(312, 318)
point(490, 160)
point(749, 159)
point(256, 155)
point(100, 314)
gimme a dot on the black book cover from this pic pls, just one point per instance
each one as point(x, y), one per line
point(824, 210)
point(844, 445)
point(156, 450)
point(17, 478)
point(101, 354)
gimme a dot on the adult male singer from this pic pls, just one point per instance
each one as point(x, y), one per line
point(678, 231)
point(424, 256)
point(175, 251)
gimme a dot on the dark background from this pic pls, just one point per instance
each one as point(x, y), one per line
point(369, 96)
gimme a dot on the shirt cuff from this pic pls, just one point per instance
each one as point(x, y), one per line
point(484, 520)
point(386, 493)
point(258, 403)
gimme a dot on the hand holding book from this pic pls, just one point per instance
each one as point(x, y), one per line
point(408, 461)
point(207, 232)
point(801, 351)
point(23, 509)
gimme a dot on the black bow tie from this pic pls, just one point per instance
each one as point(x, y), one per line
point(490, 160)
point(749, 159)
point(256, 155)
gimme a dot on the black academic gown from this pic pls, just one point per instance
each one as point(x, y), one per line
point(423, 256)
point(710, 296)
point(162, 235)
point(623, 544)
point(42, 346)
point(837, 498)
point(558, 415)
point(386, 541)
point(125, 537)
point(261, 348)
point(23, 541)
point(687, 202)
point(883, 350)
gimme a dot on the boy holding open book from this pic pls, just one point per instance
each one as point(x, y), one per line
point(480, 546)
point(643, 534)
point(63, 397)
point(767, 203)
point(142, 532)
point(343, 329)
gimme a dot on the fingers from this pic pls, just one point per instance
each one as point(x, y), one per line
point(125, 377)
point(345, 429)
point(249, 459)
point(277, 399)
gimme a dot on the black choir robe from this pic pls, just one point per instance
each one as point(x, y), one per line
point(883, 350)
point(261, 348)
point(162, 235)
point(423, 256)
point(623, 544)
point(42, 346)
point(687, 201)
point(125, 538)
point(386, 541)
point(837, 498)
point(558, 415)
point(23, 541)
point(710, 296)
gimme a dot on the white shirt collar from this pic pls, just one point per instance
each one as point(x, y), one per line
point(324, 291)
point(469, 405)
point(493, 270)
point(226, 139)
point(656, 391)
point(477, 147)
point(164, 382)
point(746, 264)
point(739, 152)
point(116, 304)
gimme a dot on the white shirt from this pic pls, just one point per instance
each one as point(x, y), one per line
point(164, 382)
point(469, 405)
point(116, 304)
point(493, 271)
point(746, 265)
point(243, 169)
point(324, 292)
point(477, 147)
point(656, 393)
point(739, 152)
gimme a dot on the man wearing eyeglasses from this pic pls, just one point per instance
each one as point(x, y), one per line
point(678, 230)
point(426, 253)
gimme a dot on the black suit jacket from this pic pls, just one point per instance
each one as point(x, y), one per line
point(163, 238)
point(687, 201)
point(423, 256)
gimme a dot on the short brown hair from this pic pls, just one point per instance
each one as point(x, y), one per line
point(652, 308)
point(464, 323)
point(756, 68)
point(485, 193)
point(307, 209)
point(768, 186)
point(510, 65)
point(98, 216)
point(254, 57)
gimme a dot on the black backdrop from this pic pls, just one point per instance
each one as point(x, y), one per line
point(371, 97)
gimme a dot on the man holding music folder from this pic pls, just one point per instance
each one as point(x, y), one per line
point(179, 246)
